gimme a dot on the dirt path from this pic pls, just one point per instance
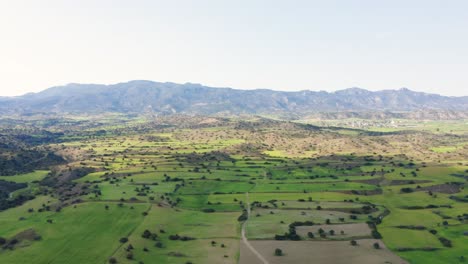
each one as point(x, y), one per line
point(130, 233)
point(244, 238)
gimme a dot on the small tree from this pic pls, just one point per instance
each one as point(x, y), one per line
point(146, 234)
point(159, 244)
point(112, 260)
point(376, 245)
point(310, 234)
point(278, 252)
point(353, 243)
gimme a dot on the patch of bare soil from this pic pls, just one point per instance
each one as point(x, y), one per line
point(442, 188)
point(324, 252)
point(363, 192)
point(28, 234)
point(22, 239)
point(340, 231)
point(404, 182)
point(375, 181)
point(176, 254)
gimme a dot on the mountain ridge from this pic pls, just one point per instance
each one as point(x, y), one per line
point(141, 96)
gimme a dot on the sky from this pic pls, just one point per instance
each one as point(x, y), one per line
point(282, 45)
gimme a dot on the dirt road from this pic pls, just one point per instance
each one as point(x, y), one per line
point(244, 238)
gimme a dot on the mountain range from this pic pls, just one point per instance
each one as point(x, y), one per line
point(168, 98)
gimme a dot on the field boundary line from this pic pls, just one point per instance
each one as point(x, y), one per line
point(244, 238)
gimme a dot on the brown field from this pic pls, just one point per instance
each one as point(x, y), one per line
point(323, 252)
point(350, 230)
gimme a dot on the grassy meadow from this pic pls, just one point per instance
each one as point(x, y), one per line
point(179, 191)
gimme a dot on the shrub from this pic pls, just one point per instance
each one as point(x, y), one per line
point(146, 234)
point(376, 234)
point(159, 244)
point(406, 190)
point(278, 252)
point(446, 242)
point(243, 216)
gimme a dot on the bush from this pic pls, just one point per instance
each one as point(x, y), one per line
point(376, 234)
point(243, 216)
point(146, 234)
point(353, 243)
point(376, 245)
point(112, 260)
point(446, 242)
point(406, 190)
point(123, 240)
point(278, 252)
point(158, 245)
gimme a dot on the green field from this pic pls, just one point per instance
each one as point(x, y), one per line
point(178, 191)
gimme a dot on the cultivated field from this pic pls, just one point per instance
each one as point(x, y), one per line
point(180, 189)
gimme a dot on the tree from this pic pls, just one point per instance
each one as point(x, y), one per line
point(159, 244)
point(278, 252)
point(376, 245)
point(123, 240)
point(310, 234)
point(353, 243)
point(376, 234)
point(112, 260)
point(146, 234)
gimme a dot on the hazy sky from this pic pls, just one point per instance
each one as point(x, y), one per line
point(282, 45)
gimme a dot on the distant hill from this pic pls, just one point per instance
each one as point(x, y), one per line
point(167, 98)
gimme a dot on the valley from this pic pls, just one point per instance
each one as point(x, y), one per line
point(198, 189)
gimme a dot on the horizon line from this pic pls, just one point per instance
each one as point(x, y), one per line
point(227, 87)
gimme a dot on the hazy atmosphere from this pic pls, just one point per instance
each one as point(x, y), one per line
point(233, 132)
point(281, 45)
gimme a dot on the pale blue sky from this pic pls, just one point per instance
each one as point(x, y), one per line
point(282, 45)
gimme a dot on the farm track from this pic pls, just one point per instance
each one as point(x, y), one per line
point(131, 232)
point(244, 238)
